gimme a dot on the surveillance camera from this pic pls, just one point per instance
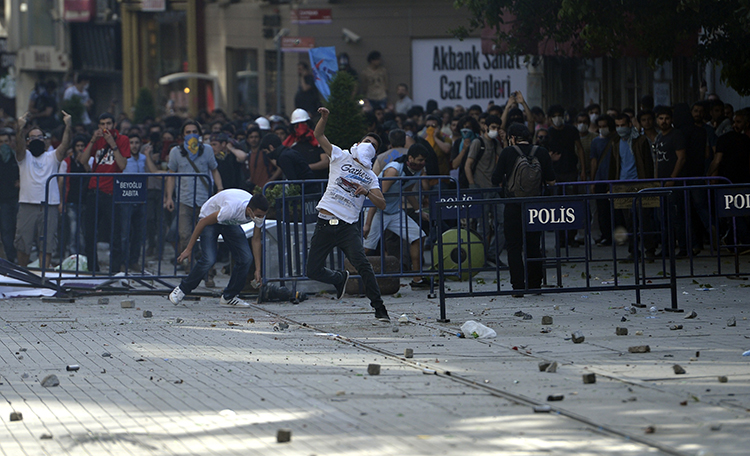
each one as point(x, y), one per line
point(349, 36)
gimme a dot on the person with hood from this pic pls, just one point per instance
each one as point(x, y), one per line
point(35, 165)
point(350, 181)
point(302, 139)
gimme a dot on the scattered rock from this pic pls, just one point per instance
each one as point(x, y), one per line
point(691, 315)
point(106, 355)
point(543, 365)
point(46, 437)
point(542, 409)
point(103, 301)
point(395, 329)
point(675, 327)
point(555, 397)
point(578, 337)
point(716, 427)
point(639, 333)
point(528, 317)
point(697, 354)
point(683, 403)
point(127, 303)
point(678, 369)
point(623, 319)
point(373, 369)
point(409, 353)
point(633, 310)
point(589, 378)
point(147, 314)
point(723, 379)
point(546, 320)
point(520, 313)
point(284, 435)
point(403, 319)
point(178, 320)
point(621, 331)
point(552, 368)
point(72, 367)
point(639, 349)
point(16, 416)
point(732, 321)
point(650, 429)
point(50, 381)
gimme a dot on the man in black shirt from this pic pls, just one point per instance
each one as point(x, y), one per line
point(566, 150)
point(9, 185)
point(519, 135)
point(290, 161)
point(669, 147)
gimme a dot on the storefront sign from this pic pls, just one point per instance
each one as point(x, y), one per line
point(79, 10)
point(42, 58)
point(454, 72)
point(153, 6)
point(568, 215)
point(297, 43)
point(311, 16)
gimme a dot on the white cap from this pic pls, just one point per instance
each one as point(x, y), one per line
point(263, 123)
point(300, 115)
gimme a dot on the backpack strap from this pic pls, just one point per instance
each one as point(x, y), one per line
point(518, 149)
point(533, 151)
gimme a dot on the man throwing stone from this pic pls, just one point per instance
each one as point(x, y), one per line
point(222, 215)
point(350, 181)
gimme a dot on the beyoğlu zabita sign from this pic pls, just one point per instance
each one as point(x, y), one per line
point(453, 72)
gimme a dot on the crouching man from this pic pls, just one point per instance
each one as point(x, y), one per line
point(222, 215)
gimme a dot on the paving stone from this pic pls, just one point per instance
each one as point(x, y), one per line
point(16, 416)
point(543, 365)
point(147, 314)
point(678, 369)
point(723, 379)
point(127, 303)
point(284, 435)
point(408, 353)
point(50, 381)
point(546, 320)
point(639, 349)
point(578, 337)
point(373, 369)
point(589, 378)
point(552, 368)
point(555, 397)
point(621, 331)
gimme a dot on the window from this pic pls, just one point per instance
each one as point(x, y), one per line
point(242, 71)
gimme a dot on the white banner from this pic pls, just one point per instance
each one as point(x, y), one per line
point(453, 72)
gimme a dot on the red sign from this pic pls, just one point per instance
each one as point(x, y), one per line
point(297, 43)
point(311, 16)
point(153, 5)
point(79, 10)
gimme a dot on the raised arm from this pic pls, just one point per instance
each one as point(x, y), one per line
point(23, 131)
point(320, 131)
point(63, 147)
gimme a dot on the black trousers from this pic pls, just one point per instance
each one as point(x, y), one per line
point(348, 238)
point(514, 246)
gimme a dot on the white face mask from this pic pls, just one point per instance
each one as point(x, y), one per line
point(259, 221)
point(492, 134)
point(624, 132)
point(593, 116)
point(604, 132)
point(557, 121)
point(364, 153)
point(582, 127)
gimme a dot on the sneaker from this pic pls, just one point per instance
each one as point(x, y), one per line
point(234, 302)
point(381, 314)
point(419, 285)
point(340, 291)
point(176, 296)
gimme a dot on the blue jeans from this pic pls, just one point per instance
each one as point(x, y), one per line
point(8, 213)
point(234, 238)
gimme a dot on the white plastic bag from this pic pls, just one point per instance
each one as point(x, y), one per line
point(477, 330)
point(69, 264)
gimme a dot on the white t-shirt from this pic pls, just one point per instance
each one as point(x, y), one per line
point(231, 204)
point(343, 177)
point(33, 173)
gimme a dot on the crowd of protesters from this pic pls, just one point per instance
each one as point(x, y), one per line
point(246, 151)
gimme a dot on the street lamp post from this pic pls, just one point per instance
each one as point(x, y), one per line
point(277, 39)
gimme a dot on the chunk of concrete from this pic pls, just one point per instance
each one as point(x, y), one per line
point(127, 303)
point(678, 369)
point(691, 315)
point(589, 378)
point(409, 353)
point(16, 416)
point(147, 314)
point(639, 349)
point(373, 369)
point(103, 301)
point(723, 379)
point(621, 331)
point(50, 381)
point(284, 435)
point(578, 337)
point(552, 368)
point(543, 365)
point(546, 320)
point(732, 321)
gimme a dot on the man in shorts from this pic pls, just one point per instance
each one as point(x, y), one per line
point(35, 165)
point(222, 214)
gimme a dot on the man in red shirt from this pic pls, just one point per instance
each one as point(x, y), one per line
point(107, 152)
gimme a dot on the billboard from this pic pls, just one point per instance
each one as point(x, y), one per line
point(451, 72)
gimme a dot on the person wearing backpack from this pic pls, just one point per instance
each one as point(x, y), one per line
point(522, 170)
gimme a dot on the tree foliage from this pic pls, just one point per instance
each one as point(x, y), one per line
point(144, 105)
point(346, 123)
point(711, 30)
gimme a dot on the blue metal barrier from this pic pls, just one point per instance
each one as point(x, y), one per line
point(531, 208)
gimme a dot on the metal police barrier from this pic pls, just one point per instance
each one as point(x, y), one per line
point(119, 219)
point(548, 214)
point(286, 245)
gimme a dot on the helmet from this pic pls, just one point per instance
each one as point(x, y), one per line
point(299, 115)
point(263, 123)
